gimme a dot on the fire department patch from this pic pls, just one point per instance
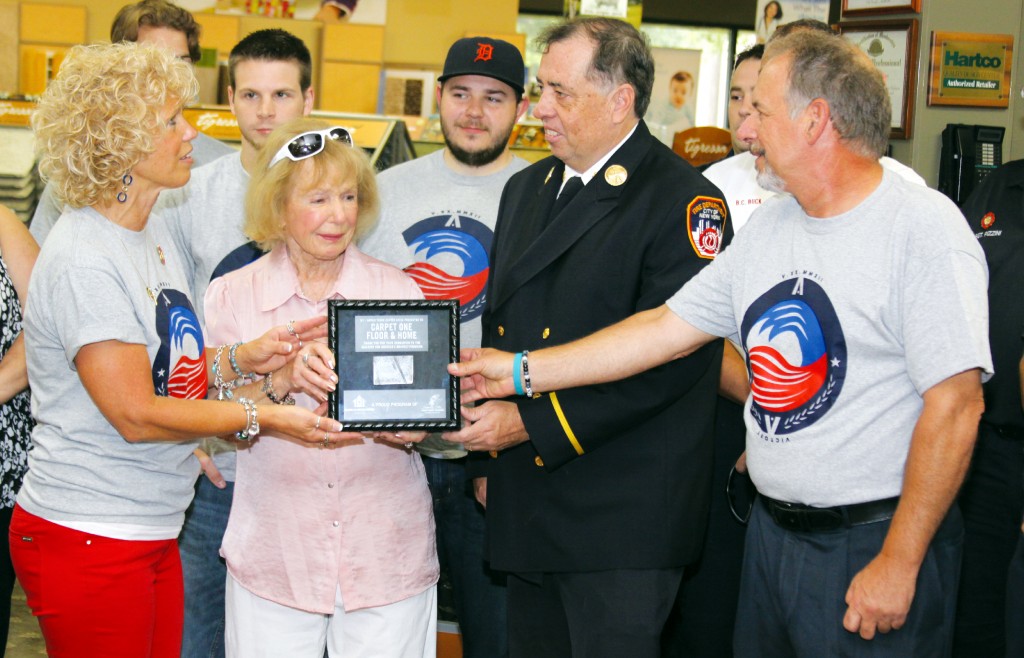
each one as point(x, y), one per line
point(988, 220)
point(705, 221)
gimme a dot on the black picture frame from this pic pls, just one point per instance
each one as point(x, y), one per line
point(391, 359)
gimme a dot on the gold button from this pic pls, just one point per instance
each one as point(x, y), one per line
point(544, 334)
point(538, 461)
point(501, 330)
point(493, 454)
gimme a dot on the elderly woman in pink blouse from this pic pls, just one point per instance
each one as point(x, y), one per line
point(332, 546)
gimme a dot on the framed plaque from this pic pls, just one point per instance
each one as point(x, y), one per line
point(867, 7)
point(391, 359)
point(892, 46)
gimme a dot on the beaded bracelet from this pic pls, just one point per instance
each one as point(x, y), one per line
point(252, 421)
point(526, 374)
point(223, 389)
point(234, 363)
point(268, 390)
point(517, 370)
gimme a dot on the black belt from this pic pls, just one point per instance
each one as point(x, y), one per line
point(793, 516)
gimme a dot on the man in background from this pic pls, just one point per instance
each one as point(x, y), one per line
point(437, 222)
point(158, 23)
point(991, 499)
point(736, 176)
point(269, 84)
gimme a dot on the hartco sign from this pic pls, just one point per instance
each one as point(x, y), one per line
point(970, 69)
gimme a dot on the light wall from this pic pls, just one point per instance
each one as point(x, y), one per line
point(417, 33)
point(991, 17)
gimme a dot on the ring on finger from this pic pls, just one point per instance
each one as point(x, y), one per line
point(316, 428)
point(326, 442)
point(305, 359)
point(291, 329)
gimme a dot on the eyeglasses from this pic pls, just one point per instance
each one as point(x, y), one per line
point(309, 144)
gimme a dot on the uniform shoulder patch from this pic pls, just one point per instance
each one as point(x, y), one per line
point(705, 222)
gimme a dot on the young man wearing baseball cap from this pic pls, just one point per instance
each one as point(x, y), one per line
point(437, 222)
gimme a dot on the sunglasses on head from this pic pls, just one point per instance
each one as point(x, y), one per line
point(309, 144)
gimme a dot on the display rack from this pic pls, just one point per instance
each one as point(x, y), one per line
point(385, 139)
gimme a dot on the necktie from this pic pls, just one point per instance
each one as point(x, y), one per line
point(569, 190)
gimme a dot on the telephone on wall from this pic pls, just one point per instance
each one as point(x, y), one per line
point(969, 154)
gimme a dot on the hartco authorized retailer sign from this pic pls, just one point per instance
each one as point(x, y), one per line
point(970, 69)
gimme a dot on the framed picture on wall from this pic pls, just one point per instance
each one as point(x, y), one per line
point(970, 69)
point(674, 97)
point(872, 7)
point(892, 46)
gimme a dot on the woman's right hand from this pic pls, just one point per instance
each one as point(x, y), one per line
point(304, 425)
point(275, 348)
point(310, 372)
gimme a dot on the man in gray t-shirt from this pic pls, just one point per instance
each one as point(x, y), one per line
point(860, 303)
point(437, 221)
point(159, 24)
point(269, 85)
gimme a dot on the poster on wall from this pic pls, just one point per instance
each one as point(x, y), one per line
point(610, 8)
point(366, 12)
point(674, 97)
point(773, 13)
point(630, 11)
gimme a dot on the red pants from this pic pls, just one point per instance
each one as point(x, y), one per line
point(99, 597)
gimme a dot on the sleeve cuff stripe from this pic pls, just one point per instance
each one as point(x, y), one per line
point(565, 423)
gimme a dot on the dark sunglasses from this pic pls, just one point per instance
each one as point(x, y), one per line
point(310, 143)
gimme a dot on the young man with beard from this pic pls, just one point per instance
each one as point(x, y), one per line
point(270, 72)
point(437, 222)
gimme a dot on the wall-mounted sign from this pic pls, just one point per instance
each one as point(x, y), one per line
point(892, 46)
point(864, 7)
point(970, 69)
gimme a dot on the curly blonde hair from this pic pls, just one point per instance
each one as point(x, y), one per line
point(99, 117)
point(269, 188)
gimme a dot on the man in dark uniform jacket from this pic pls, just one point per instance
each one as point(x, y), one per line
point(597, 496)
point(992, 499)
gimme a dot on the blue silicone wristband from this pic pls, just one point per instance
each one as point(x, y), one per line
point(517, 375)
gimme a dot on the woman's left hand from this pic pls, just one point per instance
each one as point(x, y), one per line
point(310, 372)
point(274, 349)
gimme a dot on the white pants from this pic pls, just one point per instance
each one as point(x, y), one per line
point(258, 628)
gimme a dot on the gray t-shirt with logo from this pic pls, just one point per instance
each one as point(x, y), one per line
point(96, 281)
point(846, 322)
point(438, 225)
point(205, 220)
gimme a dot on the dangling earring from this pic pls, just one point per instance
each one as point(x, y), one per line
point(126, 180)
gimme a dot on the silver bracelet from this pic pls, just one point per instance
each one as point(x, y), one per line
point(252, 421)
point(223, 388)
point(527, 388)
point(268, 390)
